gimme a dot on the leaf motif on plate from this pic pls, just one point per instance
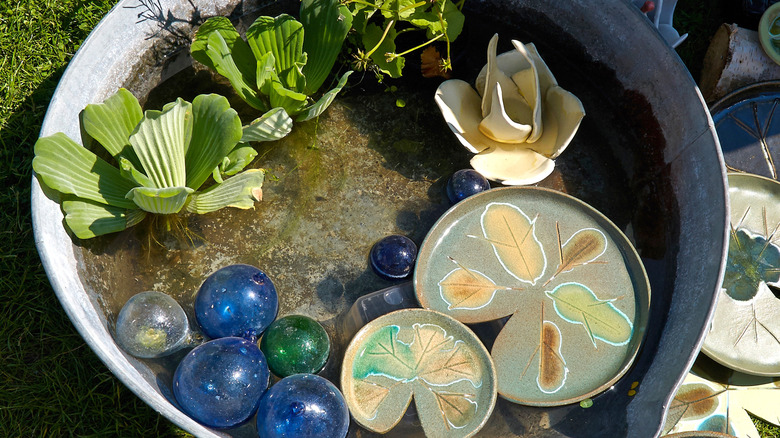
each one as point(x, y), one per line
point(577, 304)
point(371, 394)
point(693, 401)
point(583, 247)
point(552, 367)
point(468, 289)
point(511, 233)
point(458, 409)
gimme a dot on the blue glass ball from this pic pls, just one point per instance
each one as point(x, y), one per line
point(464, 183)
point(220, 382)
point(393, 257)
point(303, 406)
point(237, 300)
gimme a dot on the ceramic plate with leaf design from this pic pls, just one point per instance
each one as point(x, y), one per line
point(720, 400)
point(745, 334)
point(422, 355)
point(572, 285)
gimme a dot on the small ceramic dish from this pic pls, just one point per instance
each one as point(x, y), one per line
point(745, 333)
point(769, 32)
point(574, 287)
point(422, 355)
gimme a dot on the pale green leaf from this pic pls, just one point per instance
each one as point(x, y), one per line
point(327, 23)
point(282, 36)
point(290, 100)
point(111, 122)
point(242, 78)
point(266, 74)
point(87, 219)
point(216, 129)
point(324, 102)
point(159, 143)
point(237, 160)
point(399, 9)
point(371, 37)
point(167, 200)
point(129, 171)
point(65, 166)
point(273, 125)
point(240, 191)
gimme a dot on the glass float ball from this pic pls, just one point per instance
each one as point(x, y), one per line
point(295, 344)
point(393, 257)
point(303, 406)
point(152, 324)
point(220, 382)
point(237, 300)
point(464, 183)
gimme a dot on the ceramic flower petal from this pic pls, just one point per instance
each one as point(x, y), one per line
point(511, 165)
point(562, 115)
point(460, 106)
point(499, 126)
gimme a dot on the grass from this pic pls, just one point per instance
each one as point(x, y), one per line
point(51, 384)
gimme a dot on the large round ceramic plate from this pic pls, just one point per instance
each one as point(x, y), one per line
point(574, 286)
point(745, 334)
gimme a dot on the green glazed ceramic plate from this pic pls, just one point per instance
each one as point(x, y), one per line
point(422, 355)
point(574, 287)
point(745, 333)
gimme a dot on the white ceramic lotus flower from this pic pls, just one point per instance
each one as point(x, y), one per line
point(517, 120)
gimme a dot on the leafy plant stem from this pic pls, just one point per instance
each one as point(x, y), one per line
point(416, 5)
point(448, 62)
point(381, 40)
point(392, 56)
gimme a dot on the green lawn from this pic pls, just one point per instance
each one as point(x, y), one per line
point(51, 384)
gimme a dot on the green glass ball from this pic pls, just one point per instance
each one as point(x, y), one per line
point(295, 344)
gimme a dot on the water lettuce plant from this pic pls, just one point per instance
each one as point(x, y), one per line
point(377, 23)
point(164, 158)
point(276, 66)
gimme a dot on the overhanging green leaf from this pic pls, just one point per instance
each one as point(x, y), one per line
point(326, 23)
point(216, 131)
point(159, 143)
point(237, 48)
point(451, 20)
point(240, 191)
point(111, 122)
point(65, 166)
point(167, 200)
point(371, 37)
point(88, 219)
point(129, 171)
point(282, 36)
point(271, 126)
point(324, 102)
point(235, 67)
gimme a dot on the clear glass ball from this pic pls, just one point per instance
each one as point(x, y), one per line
point(152, 324)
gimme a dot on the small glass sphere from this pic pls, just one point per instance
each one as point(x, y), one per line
point(393, 257)
point(220, 382)
point(237, 300)
point(152, 324)
point(464, 183)
point(295, 344)
point(303, 406)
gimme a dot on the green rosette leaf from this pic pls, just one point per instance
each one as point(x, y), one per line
point(159, 141)
point(111, 122)
point(66, 167)
point(215, 133)
point(271, 126)
point(324, 102)
point(327, 23)
point(167, 200)
point(87, 219)
point(237, 159)
point(283, 37)
point(240, 191)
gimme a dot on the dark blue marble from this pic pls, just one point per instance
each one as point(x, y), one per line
point(393, 257)
point(303, 406)
point(464, 183)
point(220, 382)
point(237, 300)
